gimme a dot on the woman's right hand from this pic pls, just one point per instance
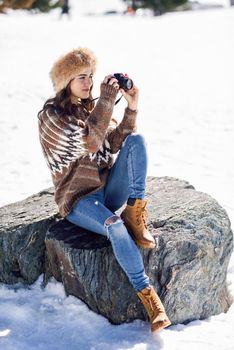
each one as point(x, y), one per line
point(110, 80)
point(109, 88)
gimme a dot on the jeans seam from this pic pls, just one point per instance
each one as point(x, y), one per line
point(132, 170)
point(120, 261)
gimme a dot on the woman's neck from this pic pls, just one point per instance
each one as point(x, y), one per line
point(75, 100)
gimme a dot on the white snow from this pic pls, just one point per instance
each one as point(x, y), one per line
point(183, 65)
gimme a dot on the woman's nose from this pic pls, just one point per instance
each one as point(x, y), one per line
point(88, 82)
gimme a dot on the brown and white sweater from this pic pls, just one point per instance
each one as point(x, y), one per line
point(79, 150)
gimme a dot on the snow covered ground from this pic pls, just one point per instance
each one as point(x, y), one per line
point(183, 65)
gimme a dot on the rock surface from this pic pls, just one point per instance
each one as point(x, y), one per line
point(23, 226)
point(188, 268)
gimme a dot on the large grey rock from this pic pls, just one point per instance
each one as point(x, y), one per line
point(23, 226)
point(188, 268)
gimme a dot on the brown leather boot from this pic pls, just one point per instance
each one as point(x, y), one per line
point(154, 308)
point(134, 217)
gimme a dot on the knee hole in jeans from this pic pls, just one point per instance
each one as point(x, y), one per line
point(114, 219)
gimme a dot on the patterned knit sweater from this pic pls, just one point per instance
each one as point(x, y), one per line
point(79, 150)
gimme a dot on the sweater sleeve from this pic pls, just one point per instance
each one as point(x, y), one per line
point(98, 121)
point(127, 126)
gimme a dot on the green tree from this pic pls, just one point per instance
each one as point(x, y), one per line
point(158, 6)
point(37, 5)
point(45, 5)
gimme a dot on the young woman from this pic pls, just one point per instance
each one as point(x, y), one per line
point(78, 141)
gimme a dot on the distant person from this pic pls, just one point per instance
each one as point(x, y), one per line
point(79, 140)
point(131, 11)
point(65, 10)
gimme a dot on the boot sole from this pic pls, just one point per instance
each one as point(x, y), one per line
point(145, 245)
point(157, 328)
point(140, 244)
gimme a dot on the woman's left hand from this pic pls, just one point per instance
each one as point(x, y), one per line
point(131, 97)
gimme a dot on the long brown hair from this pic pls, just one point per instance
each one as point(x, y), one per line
point(63, 104)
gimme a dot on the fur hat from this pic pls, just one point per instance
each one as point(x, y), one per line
point(69, 66)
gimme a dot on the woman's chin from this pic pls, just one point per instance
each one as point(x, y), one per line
point(85, 96)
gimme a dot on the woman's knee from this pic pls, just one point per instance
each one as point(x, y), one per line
point(112, 220)
point(115, 227)
point(135, 138)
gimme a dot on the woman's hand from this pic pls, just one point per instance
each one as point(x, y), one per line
point(131, 97)
point(109, 88)
point(109, 79)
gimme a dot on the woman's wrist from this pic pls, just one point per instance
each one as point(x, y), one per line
point(130, 111)
point(132, 108)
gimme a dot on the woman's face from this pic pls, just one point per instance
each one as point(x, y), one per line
point(81, 85)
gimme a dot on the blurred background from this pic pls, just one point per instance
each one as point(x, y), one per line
point(105, 7)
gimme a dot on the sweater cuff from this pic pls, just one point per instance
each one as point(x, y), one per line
point(129, 120)
point(130, 113)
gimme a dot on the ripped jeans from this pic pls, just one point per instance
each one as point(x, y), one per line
point(96, 212)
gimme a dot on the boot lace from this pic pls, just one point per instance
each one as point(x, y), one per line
point(153, 304)
point(141, 214)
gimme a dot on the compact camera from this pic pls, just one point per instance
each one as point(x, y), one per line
point(123, 81)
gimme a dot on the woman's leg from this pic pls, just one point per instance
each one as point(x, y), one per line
point(126, 182)
point(127, 177)
point(91, 214)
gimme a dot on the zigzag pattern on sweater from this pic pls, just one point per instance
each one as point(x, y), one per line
point(64, 145)
point(103, 154)
point(67, 144)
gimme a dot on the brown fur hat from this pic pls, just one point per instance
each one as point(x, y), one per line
point(69, 66)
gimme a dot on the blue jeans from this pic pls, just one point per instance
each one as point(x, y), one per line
point(96, 212)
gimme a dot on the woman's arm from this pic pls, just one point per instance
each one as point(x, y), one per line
point(128, 123)
point(98, 121)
